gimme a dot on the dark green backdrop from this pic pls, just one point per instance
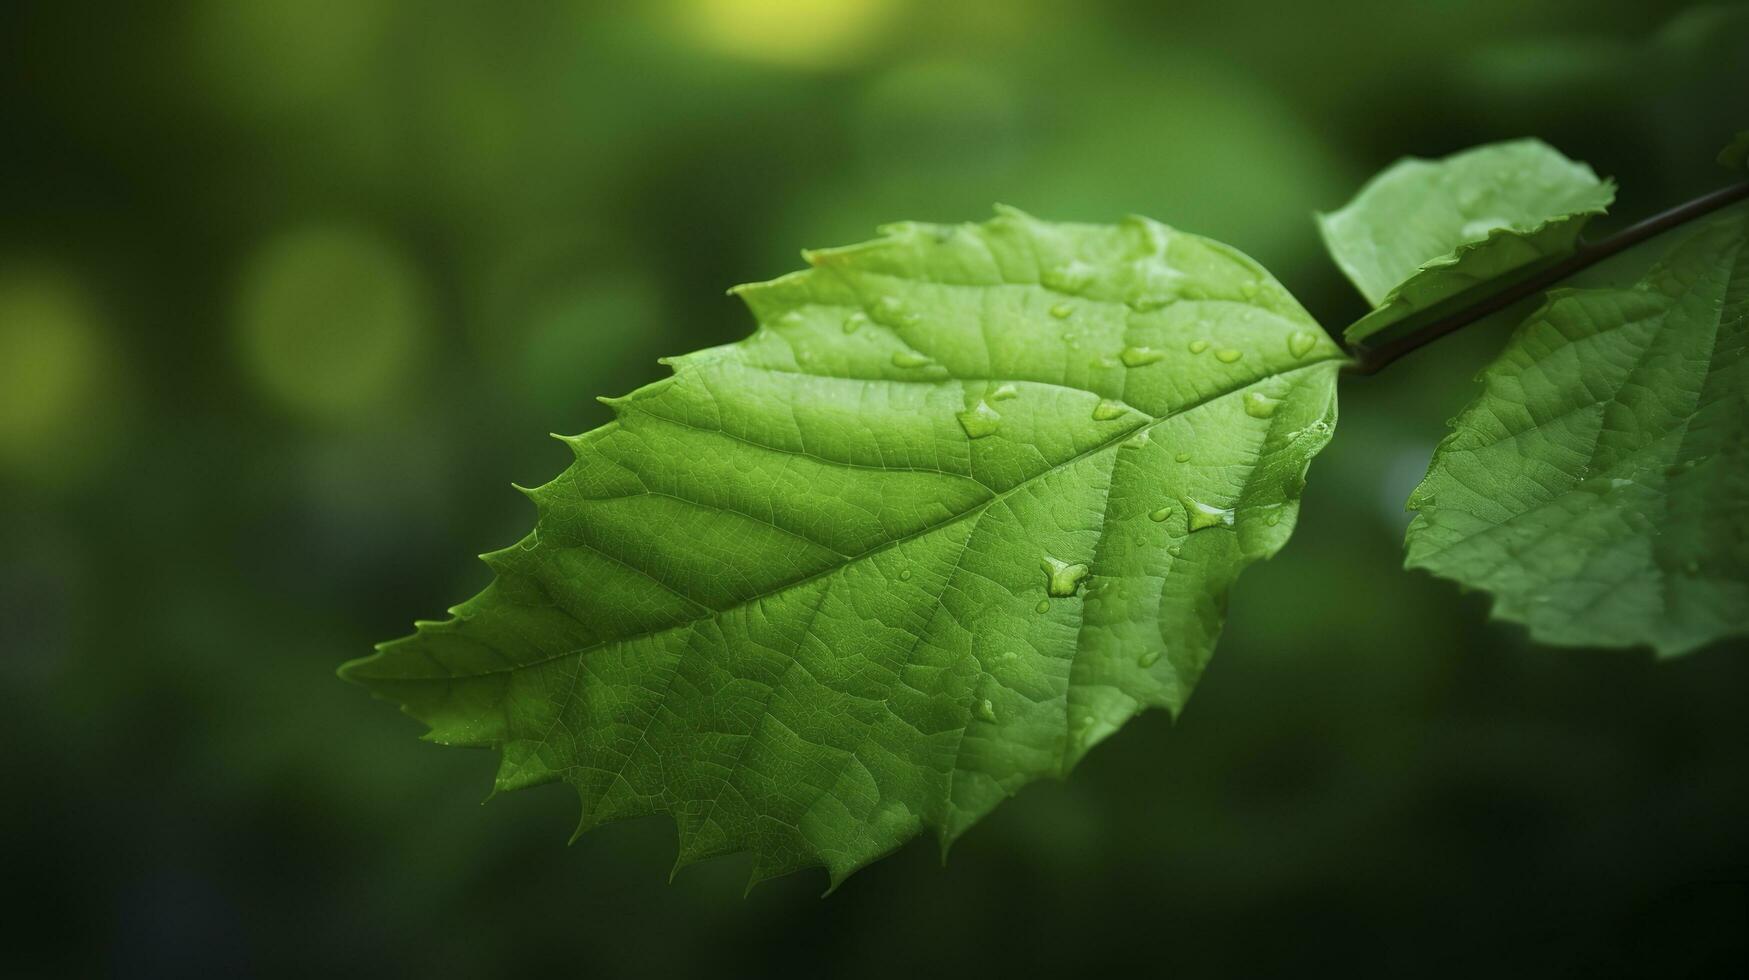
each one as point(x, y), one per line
point(291, 290)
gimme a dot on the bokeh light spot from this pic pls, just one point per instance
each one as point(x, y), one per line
point(330, 320)
point(273, 54)
point(793, 33)
point(52, 370)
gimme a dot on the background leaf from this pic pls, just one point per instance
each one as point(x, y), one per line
point(1423, 231)
point(969, 499)
point(1599, 487)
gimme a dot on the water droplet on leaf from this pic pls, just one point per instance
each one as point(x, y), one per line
point(1481, 227)
point(889, 309)
point(980, 420)
point(1107, 410)
point(986, 710)
point(1160, 514)
point(1062, 578)
point(1258, 405)
point(1228, 355)
point(854, 322)
point(1062, 311)
point(1200, 516)
point(1198, 346)
point(1149, 657)
point(1004, 392)
point(1070, 277)
point(1301, 342)
point(910, 359)
point(1138, 356)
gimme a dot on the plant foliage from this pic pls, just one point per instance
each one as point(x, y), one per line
point(1599, 487)
point(967, 500)
point(972, 496)
point(1425, 231)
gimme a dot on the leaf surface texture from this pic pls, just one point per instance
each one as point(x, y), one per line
point(1599, 486)
point(968, 499)
point(1424, 231)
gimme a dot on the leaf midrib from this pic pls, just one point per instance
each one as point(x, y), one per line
point(1114, 442)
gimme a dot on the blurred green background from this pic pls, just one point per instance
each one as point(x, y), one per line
point(291, 290)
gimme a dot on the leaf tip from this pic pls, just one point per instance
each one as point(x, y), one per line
point(350, 670)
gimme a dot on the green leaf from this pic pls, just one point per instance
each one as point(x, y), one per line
point(1735, 155)
point(968, 499)
point(1599, 487)
point(1424, 231)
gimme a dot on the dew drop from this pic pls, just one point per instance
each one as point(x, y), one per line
point(1138, 356)
point(1070, 277)
point(1198, 346)
point(1107, 410)
point(904, 575)
point(1228, 355)
point(1200, 516)
point(1258, 405)
point(1004, 392)
point(980, 420)
point(1149, 657)
point(1008, 657)
point(854, 322)
point(1044, 606)
point(1249, 289)
point(1174, 551)
point(986, 710)
point(1160, 514)
point(889, 309)
point(910, 359)
point(1272, 520)
point(1182, 457)
point(791, 319)
point(1062, 311)
point(1138, 440)
point(1301, 342)
point(1062, 579)
point(1481, 227)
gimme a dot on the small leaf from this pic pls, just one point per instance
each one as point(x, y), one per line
point(1424, 231)
point(820, 591)
point(1599, 487)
